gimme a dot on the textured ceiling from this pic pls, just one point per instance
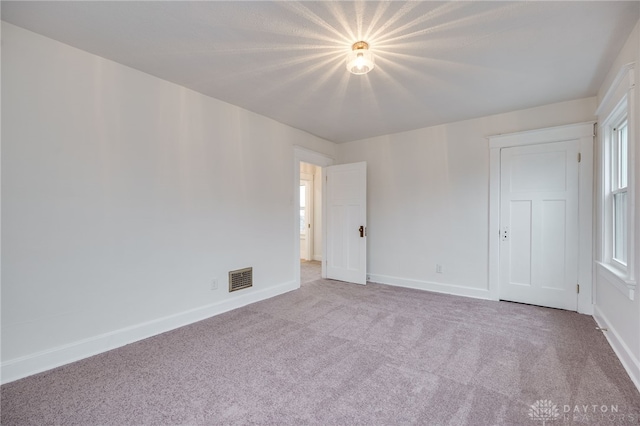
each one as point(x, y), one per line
point(436, 62)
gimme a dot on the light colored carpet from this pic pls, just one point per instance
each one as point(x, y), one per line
point(336, 353)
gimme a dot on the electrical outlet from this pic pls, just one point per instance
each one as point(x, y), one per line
point(438, 268)
point(214, 284)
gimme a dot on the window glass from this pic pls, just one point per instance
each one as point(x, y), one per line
point(619, 181)
point(622, 154)
point(619, 227)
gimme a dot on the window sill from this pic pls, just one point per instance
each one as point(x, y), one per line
point(619, 281)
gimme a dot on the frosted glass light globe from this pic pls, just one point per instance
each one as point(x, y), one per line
point(360, 59)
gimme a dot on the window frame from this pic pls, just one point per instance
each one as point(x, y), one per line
point(617, 107)
point(614, 187)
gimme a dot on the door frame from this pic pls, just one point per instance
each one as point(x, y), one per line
point(584, 132)
point(305, 155)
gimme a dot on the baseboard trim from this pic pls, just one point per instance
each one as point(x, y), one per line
point(28, 365)
point(317, 257)
point(454, 290)
point(624, 354)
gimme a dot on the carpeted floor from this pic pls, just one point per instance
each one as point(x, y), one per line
point(337, 353)
point(310, 271)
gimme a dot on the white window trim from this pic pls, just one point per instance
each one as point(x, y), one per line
point(608, 168)
point(618, 102)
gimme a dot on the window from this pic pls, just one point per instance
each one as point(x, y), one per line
point(616, 194)
point(619, 189)
point(618, 129)
point(617, 133)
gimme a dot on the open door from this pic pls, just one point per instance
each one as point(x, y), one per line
point(346, 213)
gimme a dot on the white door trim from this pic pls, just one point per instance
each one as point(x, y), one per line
point(301, 154)
point(582, 132)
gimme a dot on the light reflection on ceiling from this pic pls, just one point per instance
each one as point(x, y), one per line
point(436, 62)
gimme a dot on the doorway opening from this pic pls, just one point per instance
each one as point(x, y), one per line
point(311, 240)
point(307, 162)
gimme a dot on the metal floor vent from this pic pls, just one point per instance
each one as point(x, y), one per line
point(242, 278)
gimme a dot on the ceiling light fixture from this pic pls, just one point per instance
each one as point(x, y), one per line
point(360, 59)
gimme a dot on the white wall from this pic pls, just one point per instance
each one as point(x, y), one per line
point(428, 195)
point(613, 309)
point(123, 195)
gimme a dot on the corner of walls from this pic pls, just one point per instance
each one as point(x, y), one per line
point(628, 53)
point(428, 197)
point(615, 309)
point(123, 196)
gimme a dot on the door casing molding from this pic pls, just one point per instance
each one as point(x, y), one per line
point(585, 134)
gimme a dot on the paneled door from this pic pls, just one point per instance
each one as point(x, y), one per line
point(539, 224)
point(346, 214)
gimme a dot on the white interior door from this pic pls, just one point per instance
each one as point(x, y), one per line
point(539, 224)
point(346, 213)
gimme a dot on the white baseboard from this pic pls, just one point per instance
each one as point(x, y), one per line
point(626, 357)
point(455, 290)
point(317, 257)
point(28, 365)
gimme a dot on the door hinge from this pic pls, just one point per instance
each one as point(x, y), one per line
point(579, 157)
point(577, 288)
point(595, 129)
